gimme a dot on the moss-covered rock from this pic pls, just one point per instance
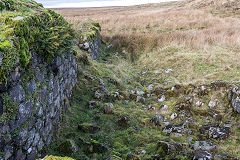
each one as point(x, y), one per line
point(88, 127)
point(68, 147)
point(26, 26)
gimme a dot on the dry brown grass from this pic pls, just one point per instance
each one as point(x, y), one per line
point(145, 28)
point(205, 46)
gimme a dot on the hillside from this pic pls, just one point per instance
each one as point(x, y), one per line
point(149, 82)
point(163, 87)
point(227, 4)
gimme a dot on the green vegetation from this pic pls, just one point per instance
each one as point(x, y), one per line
point(88, 30)
point(140, 136)
point(9, 109)
point(26, 26)
point(57, 158)
point(133, 83)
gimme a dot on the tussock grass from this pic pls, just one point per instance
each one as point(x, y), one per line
point(207, 45)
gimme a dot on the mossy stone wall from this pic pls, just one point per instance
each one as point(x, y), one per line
point(34, 104)
point(37, 73)
point(89, 38)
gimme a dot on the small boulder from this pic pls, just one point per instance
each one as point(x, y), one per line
point(97, 147)
point(92, 104)
point(173, 116)
point(234, 97)
point(164, 107)
point(88, 127)
point(168, 70)
point(101, 93)
point(140, 99)
point(162, 98)
point(68, 147)
point(165, 148)
point(199, 103)
point(215, 131)
point(132, 156)
point(150, 87)
point(108, 109)
point(218, 133)
point(101, 82)
point(178, 129)
point(140, 93)
point(213, 103)
point(202, 155)
point(98, 94)
point(158, 120)
point(123, 121)
point(150, 107)
point(204, 145)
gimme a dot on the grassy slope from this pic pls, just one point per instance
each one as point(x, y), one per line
point(140, 135)
point(199, 49)
point(203, 43)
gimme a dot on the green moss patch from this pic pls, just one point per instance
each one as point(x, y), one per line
point(26, 25)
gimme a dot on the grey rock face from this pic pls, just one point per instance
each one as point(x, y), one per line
point(22, 137)
point(30, 139)
point(17, 93)
point(40, 104)
point(25, 110)
point(8, 151)
point(39, 75)
point(32, 87)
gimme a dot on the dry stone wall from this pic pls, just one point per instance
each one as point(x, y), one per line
point(33, 103)
point(92, 46)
